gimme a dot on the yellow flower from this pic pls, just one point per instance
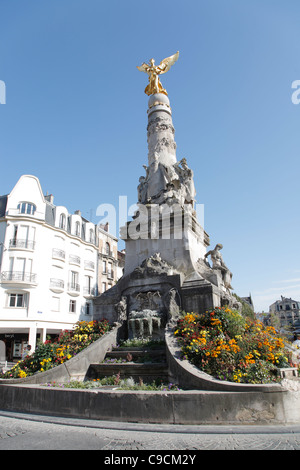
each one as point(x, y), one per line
point(22, 374)
point(190, 317)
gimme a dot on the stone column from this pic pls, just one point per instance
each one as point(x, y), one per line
point(43, 334)
point(160, 131)
point(161, 143)
point(32, 337)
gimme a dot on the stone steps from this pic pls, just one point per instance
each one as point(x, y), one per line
point(5, 366)
point(145, 364)
point(138, 354)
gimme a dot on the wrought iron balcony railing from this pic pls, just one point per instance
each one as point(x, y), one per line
point(58, 253)
point(74, 259)
point(89, 264)
point(89, 291)
point(19, 243)
point(58, 283)
point(18, 276)
point(73, 287)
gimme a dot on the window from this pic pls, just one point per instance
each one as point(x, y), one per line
point(104, 267)
point(92, 235)
point(72, 306)
point(14, 242)
point(103, 287)
point(73, 281)
point(88, 308)
point(62, 221)
point(88, 285)
point(26, 208)
point(107, 248)
point(17, 300)
point(23, 237)
point(74, 278)
point(110, 270)
point(77, 229)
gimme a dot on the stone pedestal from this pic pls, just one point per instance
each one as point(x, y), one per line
point(199, 295)
point(172, 231)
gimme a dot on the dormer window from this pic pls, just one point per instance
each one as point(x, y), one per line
point(77, 229)
point(62, 221)
point(26, 208)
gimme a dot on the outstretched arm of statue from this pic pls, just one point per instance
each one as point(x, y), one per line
point(143, 68)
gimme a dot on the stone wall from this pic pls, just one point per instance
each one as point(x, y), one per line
point(188, 407)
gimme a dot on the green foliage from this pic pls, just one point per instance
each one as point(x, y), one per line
point(142, 342)
point(247, 311)
point(116, 382)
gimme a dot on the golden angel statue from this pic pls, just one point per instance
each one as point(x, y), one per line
point(154, 71)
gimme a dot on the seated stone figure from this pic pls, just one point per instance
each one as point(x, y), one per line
point(218, 263)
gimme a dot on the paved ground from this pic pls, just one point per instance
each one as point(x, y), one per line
point(28, 432)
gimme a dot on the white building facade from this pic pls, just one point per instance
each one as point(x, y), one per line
point(287, 310)
point(49, 264)
point(108, 273)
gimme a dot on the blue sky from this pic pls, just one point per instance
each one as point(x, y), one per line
point(75, 115)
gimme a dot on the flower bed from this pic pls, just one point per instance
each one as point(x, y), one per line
point(52, 353)
point(228, 346)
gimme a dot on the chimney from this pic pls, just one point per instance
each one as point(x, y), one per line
point(49, 198)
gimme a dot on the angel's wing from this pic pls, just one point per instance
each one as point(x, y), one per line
point(167, 63)
point(143, 67)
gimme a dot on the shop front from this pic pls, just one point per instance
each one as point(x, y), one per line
point(14, 347)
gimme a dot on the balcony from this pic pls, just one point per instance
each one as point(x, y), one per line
point(89, 265)
point(109, 274)
point(58, 254)
point(57, 285)
point(73, 288)
point(21, 244)
point(18, 277)
point(73, 259)
point(89, 291)
point(107, 253)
